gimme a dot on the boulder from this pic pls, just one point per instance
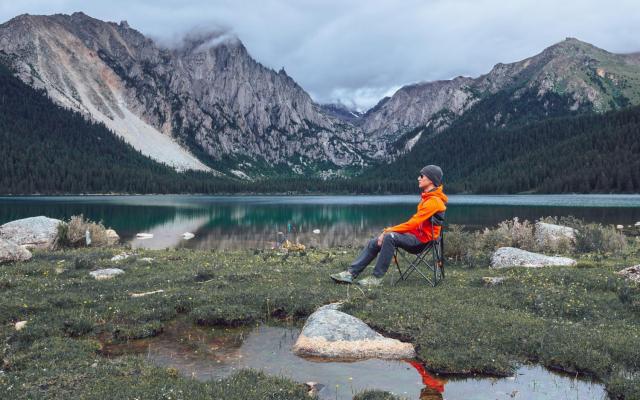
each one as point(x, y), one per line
point(552, 235)
point(107, 273)
point(331, 333)
point(39, 232)
point(188, 235)
point(20, 325)
point(112, 237)
point(9, 252)
point(506, 257)
point(631, 273)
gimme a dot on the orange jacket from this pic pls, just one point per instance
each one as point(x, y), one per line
point(419, 225)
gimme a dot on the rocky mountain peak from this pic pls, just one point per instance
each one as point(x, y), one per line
point(207, 96)
point(587, 76)
point(417, 104)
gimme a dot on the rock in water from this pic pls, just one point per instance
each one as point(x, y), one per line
point(10, 252)
point(506, 257)
point(188, 235)
point(107, 273)
point(331, 333)
point(39, 232)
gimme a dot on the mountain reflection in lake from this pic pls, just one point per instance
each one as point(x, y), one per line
point(206, 353)
point(232, 222)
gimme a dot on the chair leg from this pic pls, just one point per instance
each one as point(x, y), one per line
point(432, 271)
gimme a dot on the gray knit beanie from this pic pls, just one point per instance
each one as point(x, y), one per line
point(434, 173)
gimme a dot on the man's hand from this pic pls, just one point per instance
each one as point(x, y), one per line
point(381, 238)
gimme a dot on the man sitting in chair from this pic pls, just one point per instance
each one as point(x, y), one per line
point(411, 235)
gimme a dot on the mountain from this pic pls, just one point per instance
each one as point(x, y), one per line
point(341, 112)
point(585, 77)
point(548, 124)
point(48, 149)
point(203, 105)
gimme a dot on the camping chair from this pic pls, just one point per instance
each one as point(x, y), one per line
point(429, 261)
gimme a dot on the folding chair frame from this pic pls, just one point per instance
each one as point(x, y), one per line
point(431, 258)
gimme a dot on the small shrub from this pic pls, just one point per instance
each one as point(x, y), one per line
point(600, 239)
point(518, 234)
point(74, 233)
point(84, 262)
point(491, 239)
point(203, 275)
point(457, 242)
point(61, 240)
point(78, 326)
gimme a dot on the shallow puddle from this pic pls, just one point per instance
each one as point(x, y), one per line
point(213, 353)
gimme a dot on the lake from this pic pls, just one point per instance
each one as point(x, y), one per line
point(232, 222)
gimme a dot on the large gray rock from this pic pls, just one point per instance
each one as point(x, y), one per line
point(551, 235)
point(9, 252)
point(39, 232)
point(506, 257)
point(331, 333)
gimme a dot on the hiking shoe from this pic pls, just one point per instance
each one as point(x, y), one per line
point(370, 281)
point(344, 277)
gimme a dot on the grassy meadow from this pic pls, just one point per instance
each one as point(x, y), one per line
point(583, 319)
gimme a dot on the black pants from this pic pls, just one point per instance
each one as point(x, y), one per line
point(391, 241)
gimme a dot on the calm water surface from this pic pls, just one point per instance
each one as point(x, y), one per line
point(254, 221)
point(214, 353)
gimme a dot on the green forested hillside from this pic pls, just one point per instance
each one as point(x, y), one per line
point(47, 149)
point(583, 153)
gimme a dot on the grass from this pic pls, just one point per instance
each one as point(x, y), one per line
point(583, 318)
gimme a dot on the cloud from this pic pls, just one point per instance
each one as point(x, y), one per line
point(362, 98)
point(356, 50)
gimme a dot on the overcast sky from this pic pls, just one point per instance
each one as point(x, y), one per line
point(357, 51)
